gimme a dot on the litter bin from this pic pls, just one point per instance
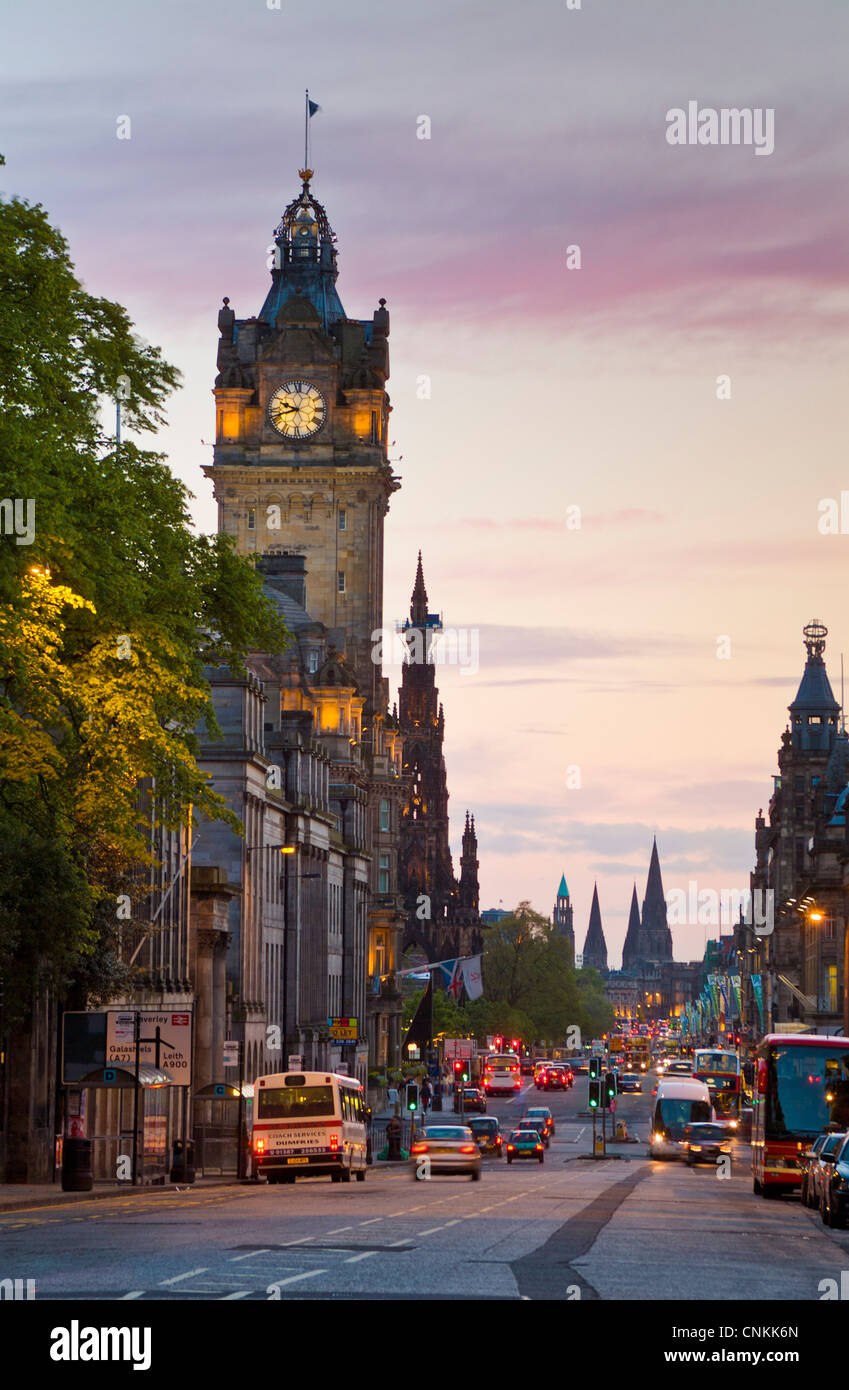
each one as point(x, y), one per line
point(76, 1165)
point(183, 1160)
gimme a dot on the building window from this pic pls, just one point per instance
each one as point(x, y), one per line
point(312, 662)
point(831, 989)
point(343, 518)
point(375, 430)
point(380, 953)
point(383, 874)
point(251, 518)
point(340, 581)
point(384, 815)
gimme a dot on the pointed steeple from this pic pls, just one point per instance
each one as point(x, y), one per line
point(655, 936)
point(418, 603)
point(595, 946)
point(563, 891)
point(631, 949)
point(561, 917)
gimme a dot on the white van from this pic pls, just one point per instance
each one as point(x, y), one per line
point(680, 1101)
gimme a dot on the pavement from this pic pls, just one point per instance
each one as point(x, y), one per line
point(14, 1196)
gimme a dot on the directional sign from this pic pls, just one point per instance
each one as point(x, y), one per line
point(166, 1041)
point(343, 1029)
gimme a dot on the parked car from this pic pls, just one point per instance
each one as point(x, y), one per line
point(822, 1166)
point(448, 1149)
point(525, 1143)
point(834, 1203)
point(806, 1164)
point(487, 1132)
point(473, 1099)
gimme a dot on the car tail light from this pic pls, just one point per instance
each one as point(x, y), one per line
point(467, 1149)
point(539, 1146)
point(418, 1148)
point(514, 1068)
point(260, 1146)
point(498, 1141)
point(334, 1142)
point(510, 1148)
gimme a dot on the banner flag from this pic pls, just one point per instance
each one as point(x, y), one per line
point(473, 977)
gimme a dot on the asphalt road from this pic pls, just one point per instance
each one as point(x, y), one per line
point(574, 1228)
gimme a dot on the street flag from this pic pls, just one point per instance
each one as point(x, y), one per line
point(452, 977)
point(473, 977)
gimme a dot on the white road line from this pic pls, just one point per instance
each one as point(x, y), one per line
point(293, 1278)
point(234, 1259)
point(366, 1255)
point(338, 1230)
point(431, 1231)
point(243, 1293)
point(137, 1293)
point(456, 1222)
point(302, 1240)
point(179, 1277)
point(372, 1222)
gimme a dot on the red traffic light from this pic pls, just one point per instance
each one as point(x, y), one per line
point(458, 1066)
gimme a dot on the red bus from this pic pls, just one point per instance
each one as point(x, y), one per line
point(802, 1086)
point(721, 1073)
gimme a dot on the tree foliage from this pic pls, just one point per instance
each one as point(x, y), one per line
point(110, 608)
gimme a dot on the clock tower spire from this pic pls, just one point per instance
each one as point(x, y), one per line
point(301, 458)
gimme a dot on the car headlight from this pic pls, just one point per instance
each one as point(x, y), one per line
point(695, 1148)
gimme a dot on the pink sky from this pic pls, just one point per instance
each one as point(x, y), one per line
point(551, 388)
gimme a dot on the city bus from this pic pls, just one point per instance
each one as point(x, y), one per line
point(802, 1085)
point(721, 1073)
point(638, 1054)
point(309, 1123)
point(501, 1074)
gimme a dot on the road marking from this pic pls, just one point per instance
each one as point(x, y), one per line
point(366, 1255)
point(451, 1223)
point(302, 1240)
point(235, 1258)
point(338, 1230)
point(243, 1293)
point(137, 1293)
point(178, 1277)
point(293, 1278)
point(371, 1222)
point(431, 1231)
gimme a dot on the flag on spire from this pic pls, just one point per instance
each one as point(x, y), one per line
point(312, 106)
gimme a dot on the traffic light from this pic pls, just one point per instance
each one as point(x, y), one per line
point(595, 1093)
point(595, 1068)
point(411, 1099)
point(609, 1089)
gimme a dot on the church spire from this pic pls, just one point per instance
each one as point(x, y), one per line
point(631, 949)
point(655, 936)
point(595, 946)
point(418, 602)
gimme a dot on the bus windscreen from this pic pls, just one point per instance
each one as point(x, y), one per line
point(806, 1089)
point(294, 1102)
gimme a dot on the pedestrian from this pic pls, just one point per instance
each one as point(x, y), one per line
point(426, 1094)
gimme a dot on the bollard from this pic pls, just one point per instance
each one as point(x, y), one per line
point(621, 1131)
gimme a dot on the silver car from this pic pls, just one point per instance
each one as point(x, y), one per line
point(445, 1149)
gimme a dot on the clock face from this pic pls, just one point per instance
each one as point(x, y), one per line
point(297, 409)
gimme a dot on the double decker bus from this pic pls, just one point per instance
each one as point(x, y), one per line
point(721, 1072)
point(306, 1123)
point(802, 1085)
point(638, 1053)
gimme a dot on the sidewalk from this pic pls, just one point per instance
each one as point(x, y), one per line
point(49, 1194)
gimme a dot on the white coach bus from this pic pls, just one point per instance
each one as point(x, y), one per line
point(680, 1101)
point(309, 1123)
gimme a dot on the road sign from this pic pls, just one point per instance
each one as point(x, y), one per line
point(166, 1041)
point(295, 1061)
point(343, 1029)
point(459, 1049)
point(597, 1046)
point(232, 1049)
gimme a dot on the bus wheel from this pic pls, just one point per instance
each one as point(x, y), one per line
point(345, 1175)
point(757, 1188)
point(335, 1177)
point(361, 1175)
point(286, 1177)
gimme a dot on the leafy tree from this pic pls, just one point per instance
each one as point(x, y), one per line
point(110, 607)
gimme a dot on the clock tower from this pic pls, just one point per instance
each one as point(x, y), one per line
point(300, 461)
